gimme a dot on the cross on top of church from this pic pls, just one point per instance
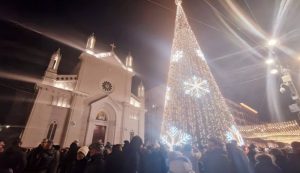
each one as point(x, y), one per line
point(113, 46)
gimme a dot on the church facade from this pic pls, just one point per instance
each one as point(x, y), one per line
point(96, 104)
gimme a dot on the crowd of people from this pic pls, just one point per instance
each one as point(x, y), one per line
point(134, 157)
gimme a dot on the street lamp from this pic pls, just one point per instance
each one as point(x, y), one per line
point(269, 61)
point(272, 42)
point(274, 71)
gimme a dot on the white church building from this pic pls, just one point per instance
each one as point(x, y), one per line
point(94, 105)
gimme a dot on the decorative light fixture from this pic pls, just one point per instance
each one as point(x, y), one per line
point(270, 61)
point(285, 132)
point(196, 87)
point(175, 137)
point(272, 42)
point(190, 78)
point(274, 71)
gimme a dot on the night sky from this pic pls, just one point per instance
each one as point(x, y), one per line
point(32, 30)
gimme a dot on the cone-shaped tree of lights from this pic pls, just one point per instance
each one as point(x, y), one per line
point(194, 108)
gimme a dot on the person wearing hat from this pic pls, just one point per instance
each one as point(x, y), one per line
point(96, 163)
point(79, 165)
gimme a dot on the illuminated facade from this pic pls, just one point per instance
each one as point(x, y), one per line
point(242, 113)
point(95, 104)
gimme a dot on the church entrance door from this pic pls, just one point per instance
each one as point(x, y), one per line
point(99, 133)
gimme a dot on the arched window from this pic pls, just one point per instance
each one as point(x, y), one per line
point(52, 130)
point(101, 116)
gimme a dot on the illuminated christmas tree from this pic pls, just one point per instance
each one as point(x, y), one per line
point(194, 107)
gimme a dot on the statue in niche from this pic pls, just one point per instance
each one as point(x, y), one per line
point(101, 116)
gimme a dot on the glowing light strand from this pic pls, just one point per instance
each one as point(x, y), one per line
point(177, 56)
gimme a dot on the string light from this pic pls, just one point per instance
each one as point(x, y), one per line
point(201, 118)
point(200, 54)
point(177, 56)
point(285, 132)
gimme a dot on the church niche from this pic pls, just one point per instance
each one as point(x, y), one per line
point(101, 116)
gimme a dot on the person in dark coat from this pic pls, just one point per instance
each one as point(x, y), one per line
point(69, 158)
point(193, 155)
point(153, 160)
point(126, 146)
point(95, 163)
point(107, 150)
point(133, 162)
point(251, 154)
point(115, 160)
point(240, 162)
point(14, 158)
point(215, 159)
point(294, 158)
point(41, 158)
point(264, 164)
point(79, 165)
point(280, 159)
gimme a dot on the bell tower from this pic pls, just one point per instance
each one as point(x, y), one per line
point(53, 65)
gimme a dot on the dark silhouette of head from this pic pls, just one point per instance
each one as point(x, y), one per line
point(215, 143)
point(136, 143)
point(296, 147)
point(263, 158)
point(96, 148)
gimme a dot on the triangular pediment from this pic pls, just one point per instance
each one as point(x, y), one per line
point(114, 60)
point(104, 99)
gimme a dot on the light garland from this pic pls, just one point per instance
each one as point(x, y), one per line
point(200, 54)
point(189, 78)
point(285, 132)
point(177, 56)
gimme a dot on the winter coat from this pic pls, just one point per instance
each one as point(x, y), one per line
point(79, 166)
point(240, 162)
point(267, 167)
point(95, 164)
point(133, 163)
point(251, 156)
point(68, 159)
point(55, 162)
point(294, 163)
point(195, 159)
point(153, 161)
point(282, 163)
point(115, 162)
point(216, 161)
point(15, 159)
point(40, 160)
point(180, 165)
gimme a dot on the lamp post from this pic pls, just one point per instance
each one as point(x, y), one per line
point(286, 78)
